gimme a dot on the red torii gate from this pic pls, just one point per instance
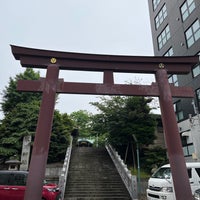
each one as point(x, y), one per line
point(53, 61)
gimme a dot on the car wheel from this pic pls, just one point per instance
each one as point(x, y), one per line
point(58, 197)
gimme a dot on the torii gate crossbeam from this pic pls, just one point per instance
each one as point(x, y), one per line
point(53, 61)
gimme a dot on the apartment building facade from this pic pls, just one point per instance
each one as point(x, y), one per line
point(175, 27)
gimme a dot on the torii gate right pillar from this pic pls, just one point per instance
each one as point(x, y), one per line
point(172, 137)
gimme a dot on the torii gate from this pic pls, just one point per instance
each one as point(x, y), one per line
point(53, 61)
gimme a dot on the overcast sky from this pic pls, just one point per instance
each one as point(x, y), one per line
point(116, 27)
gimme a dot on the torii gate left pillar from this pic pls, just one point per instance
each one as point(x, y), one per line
point(108, 64)
point(43, 133)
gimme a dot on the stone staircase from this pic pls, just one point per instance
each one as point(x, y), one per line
point(93, 176)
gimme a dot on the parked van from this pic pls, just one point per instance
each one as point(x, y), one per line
point(160, 185)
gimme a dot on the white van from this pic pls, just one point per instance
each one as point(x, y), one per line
point(160, 185)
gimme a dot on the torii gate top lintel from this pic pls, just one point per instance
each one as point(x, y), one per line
point(39, 58)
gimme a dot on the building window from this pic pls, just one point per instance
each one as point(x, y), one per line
point(188, 150)
point(178, 111)
point(161, 16)
point(155, 4)
point(196, 70)
point(187, 8)
point(170, 52)
point(163, 37)
point(173, 79)
point(193, 33)
point(197, 92)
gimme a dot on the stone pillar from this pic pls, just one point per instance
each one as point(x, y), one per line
point(25, 155)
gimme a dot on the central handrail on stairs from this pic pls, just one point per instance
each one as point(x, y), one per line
point(63, 175)
point(129, 180)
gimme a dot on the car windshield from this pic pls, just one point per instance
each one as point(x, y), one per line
point(13, 179)
point(4, 179)
point(163, 173)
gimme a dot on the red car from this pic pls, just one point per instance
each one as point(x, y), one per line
point(12, 186)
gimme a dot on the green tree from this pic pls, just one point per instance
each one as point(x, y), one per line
point(98, 129)
point(21, 110)
point(60, 137)
point(82, 121)
point(121, 118)
point(12, 97)
point(153, 158)
point(19, 122)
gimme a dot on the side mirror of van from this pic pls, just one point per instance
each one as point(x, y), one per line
point(167, 176)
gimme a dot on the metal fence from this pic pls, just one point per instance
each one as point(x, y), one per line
point(130, 181)
point(63, 176)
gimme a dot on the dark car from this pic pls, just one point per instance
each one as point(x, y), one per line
point(13, 184)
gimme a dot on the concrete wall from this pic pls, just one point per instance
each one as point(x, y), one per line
point(53, 172)
point(190, 129)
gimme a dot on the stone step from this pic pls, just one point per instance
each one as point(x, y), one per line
point(79, 197)
point(92, 175)
point(95, 191)
point(101, 195)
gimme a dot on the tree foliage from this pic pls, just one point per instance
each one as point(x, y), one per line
point(60, 138)
point(126, 122)
point(153, 158)
point(20, 121)
point(82, 121)
point(12, 97)
point(122, 117)
point(21, 110)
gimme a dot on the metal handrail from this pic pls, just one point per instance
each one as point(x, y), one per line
point(129, 180)
point(63, 175)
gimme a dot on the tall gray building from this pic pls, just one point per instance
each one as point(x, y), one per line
point(175, 26)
